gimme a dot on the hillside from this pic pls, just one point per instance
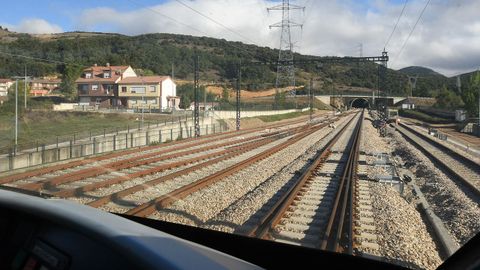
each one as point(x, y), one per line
point(158, 52)
point(420, 71)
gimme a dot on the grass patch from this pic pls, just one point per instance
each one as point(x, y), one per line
point(423, 117)
point(278, 117)
point(43, 127)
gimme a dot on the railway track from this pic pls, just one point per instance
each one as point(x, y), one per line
point(49, 177)
point(104, 164)
point(326, 206)
point(167, 199)
point(456, 165)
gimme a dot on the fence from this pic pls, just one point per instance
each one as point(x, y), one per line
point(89, 134)
point(97, 145)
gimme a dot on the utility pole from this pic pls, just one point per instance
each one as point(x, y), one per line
point(16, 116)
point(239, 76)
point(285, 68)
point(143, 98)
point(25, 86)
point(310, 93)
point(459, 84)
point(196, 107)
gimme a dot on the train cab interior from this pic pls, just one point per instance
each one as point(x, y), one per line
point(45, 233)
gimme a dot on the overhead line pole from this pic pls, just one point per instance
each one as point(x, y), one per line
point(16, 117)
point(25, 87)
point(239, 76)
point(196, 107)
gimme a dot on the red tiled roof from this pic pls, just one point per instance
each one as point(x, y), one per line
point(97, 74)
point(5, 80)
point(144, 79)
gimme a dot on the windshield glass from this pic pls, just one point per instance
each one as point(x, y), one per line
point(348, 126)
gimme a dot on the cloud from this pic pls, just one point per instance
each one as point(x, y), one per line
point(447, 38)
point(36, 26)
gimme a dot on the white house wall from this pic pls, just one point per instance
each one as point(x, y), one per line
point(129, 72)
point(169, 88)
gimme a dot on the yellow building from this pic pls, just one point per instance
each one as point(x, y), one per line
point(148, 92)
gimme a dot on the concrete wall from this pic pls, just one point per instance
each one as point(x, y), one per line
point(105, 144)
point(233, 114)
point(64, 106)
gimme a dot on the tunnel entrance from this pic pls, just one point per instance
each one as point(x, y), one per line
point(360, 103)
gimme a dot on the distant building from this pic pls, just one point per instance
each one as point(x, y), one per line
point(148, 92)
point(4, 86)
point(43, 86)
point(98, 84)
point(203, 106)
point(119, 86)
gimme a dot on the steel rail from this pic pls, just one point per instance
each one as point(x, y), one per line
point(273, 217)
point(134, 162)
point(183, 144)
point(335, 235)
point(440, 154)
point(224, 154)
point(165, 200)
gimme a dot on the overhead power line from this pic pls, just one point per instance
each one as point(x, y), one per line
point(168, 17)
point(39, 59)
point(413, 29)
point(395, 27)
point(196, 29)
point(216, 22)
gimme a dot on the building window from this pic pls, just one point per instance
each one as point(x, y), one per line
point(108, 88)
point(133, 101)
point(153, 88)
point(138, 90)
point(98, 101)
point(94, 87)
point(152, 101)
point(106, 74)
point(88, 75)
point(124, 89)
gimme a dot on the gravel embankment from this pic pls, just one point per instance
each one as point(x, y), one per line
point(218, 197)
point(237, 215)
point(460, 213)
point(403, 235)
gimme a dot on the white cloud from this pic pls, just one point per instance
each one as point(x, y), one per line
point(447, 38)
point(36, 26)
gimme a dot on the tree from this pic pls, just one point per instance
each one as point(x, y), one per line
point(280, 100)
point(225, 95)
point(70, 73)
point(447, 99)
point(8, 107)
point(470, 95)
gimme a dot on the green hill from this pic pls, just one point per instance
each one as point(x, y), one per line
point(218, 60)
point(421, 71)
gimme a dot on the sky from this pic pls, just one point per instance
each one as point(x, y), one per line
point(446, 38)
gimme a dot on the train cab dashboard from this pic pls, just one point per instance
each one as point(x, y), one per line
point(42, 233)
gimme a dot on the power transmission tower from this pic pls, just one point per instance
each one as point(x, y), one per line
point(412, 80)
point(285, 68)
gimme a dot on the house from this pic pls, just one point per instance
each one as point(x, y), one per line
point(203, 106)
point(148, 92)
point(98, 85)
point(4, 86)
point(43, 86)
